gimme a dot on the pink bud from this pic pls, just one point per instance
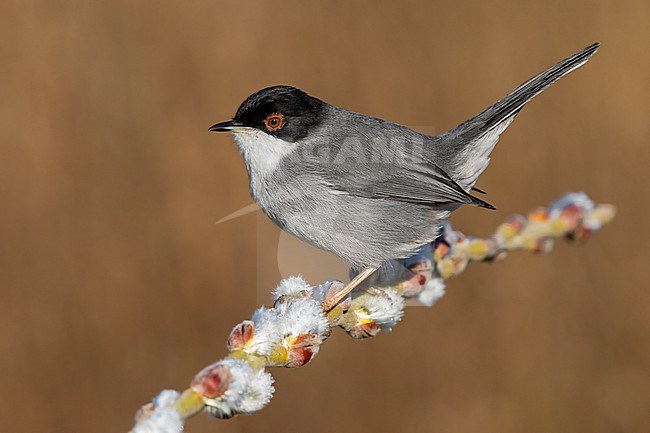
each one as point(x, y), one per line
point(364, 330)
point(581, 233)
point(413, 285)
point(571, 216)
point(543, 245)
point(302, 349)
point(240, 335)
point(213, 381)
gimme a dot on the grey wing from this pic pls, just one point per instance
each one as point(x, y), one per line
point(465, 150)
point(421, 183)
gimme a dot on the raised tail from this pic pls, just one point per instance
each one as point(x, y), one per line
point(465, 150)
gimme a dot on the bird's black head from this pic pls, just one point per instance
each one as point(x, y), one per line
point(284, 112)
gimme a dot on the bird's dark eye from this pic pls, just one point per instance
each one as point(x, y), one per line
point(274, 122)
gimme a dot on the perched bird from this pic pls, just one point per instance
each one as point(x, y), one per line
point(366, 189)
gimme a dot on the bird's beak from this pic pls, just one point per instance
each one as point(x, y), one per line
point(224, 126)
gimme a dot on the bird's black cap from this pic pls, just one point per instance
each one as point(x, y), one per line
point(285, 112)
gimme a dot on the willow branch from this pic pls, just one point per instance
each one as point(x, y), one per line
point(290, 333)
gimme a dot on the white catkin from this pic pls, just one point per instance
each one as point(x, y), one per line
point(267, 331)
point(303, 316)
point(318, 293)
point(259, 393)
point(579, 199)
point(292, 286)
point(248, 391)
point(433, 290)
point(165, 419)
point(386, 309)
point(290, 318)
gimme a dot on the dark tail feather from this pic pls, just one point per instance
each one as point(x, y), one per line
point(481, 203)
point(467, 147)
point(505, 107)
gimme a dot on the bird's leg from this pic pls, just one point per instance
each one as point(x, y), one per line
point(330, 303)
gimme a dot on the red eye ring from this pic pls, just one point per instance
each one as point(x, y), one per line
point(274, 122)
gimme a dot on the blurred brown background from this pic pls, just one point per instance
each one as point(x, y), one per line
point(115, 282)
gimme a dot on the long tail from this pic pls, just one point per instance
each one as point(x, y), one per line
point(466, 148)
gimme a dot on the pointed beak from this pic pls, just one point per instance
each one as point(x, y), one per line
point(224, 126)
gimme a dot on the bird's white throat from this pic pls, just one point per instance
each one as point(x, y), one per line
point(262, 154)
